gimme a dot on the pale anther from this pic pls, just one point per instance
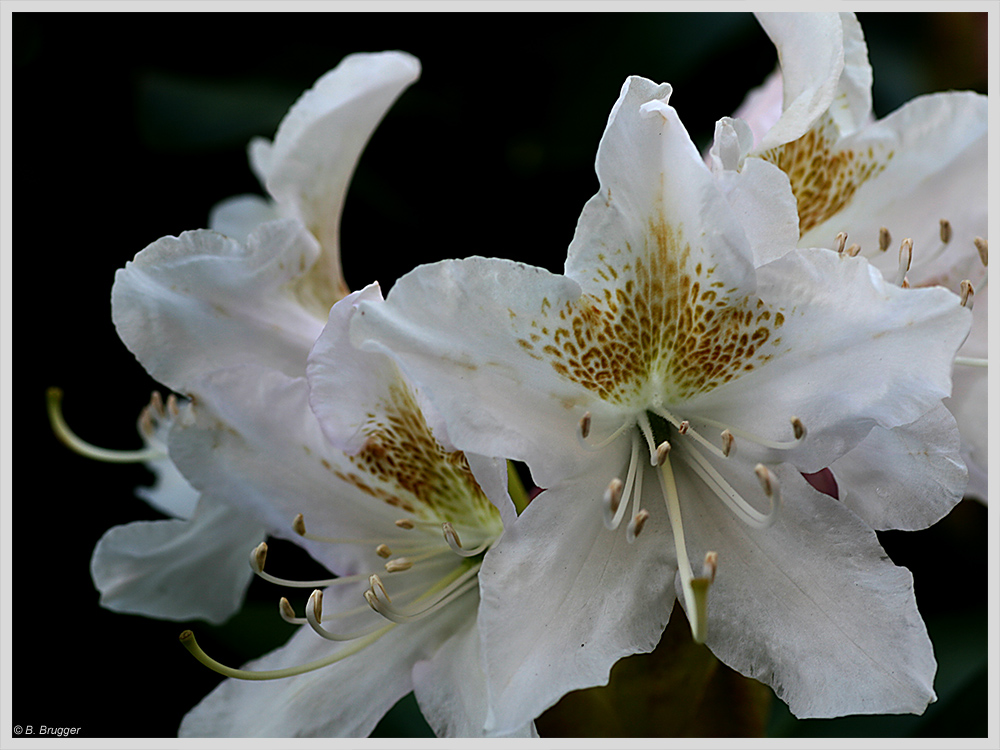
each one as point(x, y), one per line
point(613, 495)
point(766, 479)
point(884, 239)
point(383, 551)
point(982, 248)
point(683, 427)
point(397, 565)
point(661, 452)
point(727, 443)
point(585, 425)
point(316, 602)
point(853, 250)
point(172, 405)
point(636, 524)
point(451, 536)
point(299, 525)
point(905, 257)
point(285, 608)
point(841, 240)
point(258, 556)
point(798, 428)
point(373, 581)
point(405, 523)
point(967, 291)
point(945, 231)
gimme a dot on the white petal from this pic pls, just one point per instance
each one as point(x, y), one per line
point(852, 105)
point(843, 324)
point(908, 477)
point(937, 170)
point(733, 141)
point(812, 606)
point(190, 304)
point(157, 568)
point(811, 51)
point(238, 216)
point(170, 493)
point(457, 329)
point(345, 699)
point(318, 144)
point(563, 598)
point(451, 688)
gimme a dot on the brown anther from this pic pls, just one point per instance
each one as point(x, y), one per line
point(853, 250)
point(156, 403)
point(639, 521)
point(841, 240)
point(662, 450)
point(286, 609)
point(683, 427)
point(299, 525)
point(711, 566)
point(613, 494)
point(905, 283)
point(727, 443)
point(585, 425)
point(405, 523)
point(383, 551)
point(906, 251)
point(450, 534)
point(374, 581)
point(316, 599)
point(981, 246)
point(945, 231)
point(765, 479)
point(884, 239)
point(146, 424)
point(798, 428)
point(172, 404)
point(398, 565)
point(258, 556)
point(967, 292)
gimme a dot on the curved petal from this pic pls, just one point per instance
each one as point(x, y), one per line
point(762, 107)
point(317, 146)
point(170, 493)
point(451, 689)
point(238, 216)
point(190, 304)
point(580, 595)
point(811, 53)
point(924, 162)
point(906, 478)
point(456, 328)
point(785, 605)
point(898, 342)
point(344, 699)
point(157, 568)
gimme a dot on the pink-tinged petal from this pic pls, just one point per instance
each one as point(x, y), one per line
point(840, 325)
point(762, 107)
point(812, 606)
point(811, 52)
point(905, 478)
point(344, 699)
point(195, 303)
point(969, 399)
point(563, 598)
point(157, 568)
point(451, 689)
point(317, 146)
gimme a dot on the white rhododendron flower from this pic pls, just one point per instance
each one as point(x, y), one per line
point(908, 191)
point(402, 517)
point(260, 294)
point(668, 391)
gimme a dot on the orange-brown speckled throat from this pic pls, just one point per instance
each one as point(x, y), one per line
point(823, 178)
point(662, 321)
point(402, 464)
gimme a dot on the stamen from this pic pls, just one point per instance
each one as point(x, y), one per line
point(695, 598)
point(982, 248)
point(405, 523)
point(764, 442)
point(972, 361)
point(383, 551)
point(967, 292)
point(398, 565)
point(373, 581)
point(905, 258)
point(884, 239)
point(188, 640)
point(729, 496)
point(728, 442)
point(259, 555)
point(841, 241)
point(661, 452)
point(604, 443)
point(288, 613)
point(446, 590)
point(853, 250)
point(635, 525)
point(634, 470)
point(699, 586)
point(945, 231)
point(768, 481)
point(612, 501)
point(683, 427)
point(78, 445)
point(585, 425)
point(314, 616)
point(798, 428)
point(451, 536)
point(647, 432)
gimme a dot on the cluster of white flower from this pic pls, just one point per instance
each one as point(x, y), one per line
point(736, 381)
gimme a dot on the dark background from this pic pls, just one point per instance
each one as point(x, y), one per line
point(130, 127)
